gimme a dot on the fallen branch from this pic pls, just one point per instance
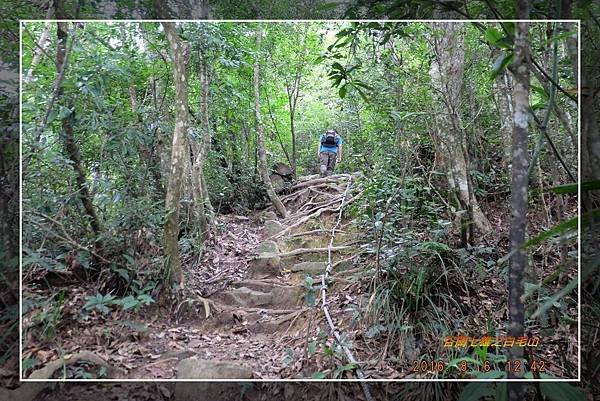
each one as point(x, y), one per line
point(304, 220)
point(315, 176)
point(298, 314)
point(294, 195)
point(316, 206)
point(339, 262)
point(324, 307)
point(268, 311)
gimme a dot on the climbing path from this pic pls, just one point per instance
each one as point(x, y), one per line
point(269, 298)
point(258, 324)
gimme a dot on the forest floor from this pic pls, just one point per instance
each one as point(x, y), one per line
point(252, 306)
point(252, 303)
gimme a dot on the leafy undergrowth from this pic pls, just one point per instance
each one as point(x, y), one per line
point(425, 285)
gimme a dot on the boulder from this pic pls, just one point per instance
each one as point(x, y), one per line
point(195, 368)
point(272, 227)
point(288, 296)
point(268, 296)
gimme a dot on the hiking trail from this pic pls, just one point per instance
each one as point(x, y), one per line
point(259, 290)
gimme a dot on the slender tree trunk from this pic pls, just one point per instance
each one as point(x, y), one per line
point(293, 131)
point(264, 172)
point(206, 136)
point(502, 86)
point(446, 73)
point(519, 185)
point(68, 136)
point(178, 152)
point(196, 183)
point(42, 44)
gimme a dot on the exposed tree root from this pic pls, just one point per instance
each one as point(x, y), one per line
point(317, 231)
point(328, 180)
point(302, 251)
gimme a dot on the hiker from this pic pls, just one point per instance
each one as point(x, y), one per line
point(329, 152)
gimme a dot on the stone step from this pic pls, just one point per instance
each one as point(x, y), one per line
point(272, 227)
point(257, 294)
point(310, 268)
point(265, 323)
point(198, 369)
point(264, 265)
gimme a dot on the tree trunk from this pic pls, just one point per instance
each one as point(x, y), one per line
point(41, 45)
point(196, 183)
point(260, 142)
point(178, 152)
point(206, 136)
point(519, 184)
point(446, 72)
point(502, 93)
point(68, 136)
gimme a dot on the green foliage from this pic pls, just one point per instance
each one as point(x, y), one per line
point(99, 302)
point(311, 290)
point(46, 314)
point(105, 303)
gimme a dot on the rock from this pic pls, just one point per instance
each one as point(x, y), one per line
point(283, 170)
point(247, 298)
point(264, 265)
point(266, 295)
point(277, 182)
point(287, 296)
point(194, 368)
point(267, 246)
point(312, 268)
point(272, 227)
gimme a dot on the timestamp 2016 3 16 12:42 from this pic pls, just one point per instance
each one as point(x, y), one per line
point(515, 366)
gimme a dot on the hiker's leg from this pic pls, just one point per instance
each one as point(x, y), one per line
point(323, 161)
point(331, 163)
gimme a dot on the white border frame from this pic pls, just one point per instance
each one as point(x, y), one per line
point(340, 21)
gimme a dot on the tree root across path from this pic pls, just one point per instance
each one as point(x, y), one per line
point(302, 251)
